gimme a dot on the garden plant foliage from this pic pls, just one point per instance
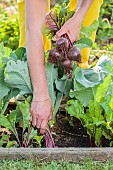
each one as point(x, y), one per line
point(9, 29)
point(89, 91)
point(89, 88)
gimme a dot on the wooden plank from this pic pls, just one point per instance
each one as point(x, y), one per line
point(68, 154)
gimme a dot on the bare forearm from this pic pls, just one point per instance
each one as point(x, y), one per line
point(36, 63)
point(82, 8)
point(35, 17)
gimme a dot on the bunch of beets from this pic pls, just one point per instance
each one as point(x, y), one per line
point(64, 52)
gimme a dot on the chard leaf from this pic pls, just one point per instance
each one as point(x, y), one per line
point(8, 121)
point(75, 109)
point(17, 76)
point(51, 75)
point(33, 133)
point(25, 111)
point(11, 143)
point(95, 113)
point(38, 139)
point(111, 102)
point(103, 88)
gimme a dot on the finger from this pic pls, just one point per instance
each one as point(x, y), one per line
point(72, 39)
point(39, 121)
point(78, 37)
point(50, 117)
point(59, 34)
point(34, 121)
point(43, 126)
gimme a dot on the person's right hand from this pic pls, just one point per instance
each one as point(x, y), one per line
point(41, 114)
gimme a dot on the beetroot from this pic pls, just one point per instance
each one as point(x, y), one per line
point(54, 56)
point(67, 64)
point(62, 42)
point(74, 54)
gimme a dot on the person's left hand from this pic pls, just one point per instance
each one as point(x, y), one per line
point(72, 28)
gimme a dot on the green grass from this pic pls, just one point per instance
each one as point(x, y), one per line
point(54, 165)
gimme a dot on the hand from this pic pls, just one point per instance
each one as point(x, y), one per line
point(41, 113)
point(72, 28)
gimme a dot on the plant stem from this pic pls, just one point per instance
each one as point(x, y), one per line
point(22, 133)
point(90, 141)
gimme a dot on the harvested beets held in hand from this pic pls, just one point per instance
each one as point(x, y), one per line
point(74, 54)
point(64, 54)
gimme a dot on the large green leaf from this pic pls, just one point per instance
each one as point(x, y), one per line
point(51, 75)
point(17, 76)
point(57, 104)
point(84, 96)
point(4, 88)
point(63, 85)
point(84, 43)
point(106, 65)
point(86, 81)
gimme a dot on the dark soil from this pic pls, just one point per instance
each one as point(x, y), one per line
point(68, 132)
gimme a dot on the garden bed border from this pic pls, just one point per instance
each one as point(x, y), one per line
point(49, 154)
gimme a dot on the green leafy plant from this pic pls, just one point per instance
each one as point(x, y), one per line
point(19, 118)
point(15, 81)
point(105, 31)
point(94, 109)
point(9, 29)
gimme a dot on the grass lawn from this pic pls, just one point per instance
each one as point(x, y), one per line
point(54, 165)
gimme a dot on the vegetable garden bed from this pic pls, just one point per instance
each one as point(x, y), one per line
point(67, 131)
point(85, 119)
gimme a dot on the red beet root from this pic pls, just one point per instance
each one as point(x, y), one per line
point(62, 42)
point(55, 55)
point(74, 54)
point(67, 64)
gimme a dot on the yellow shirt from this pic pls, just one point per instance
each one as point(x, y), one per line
point(19, 1)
